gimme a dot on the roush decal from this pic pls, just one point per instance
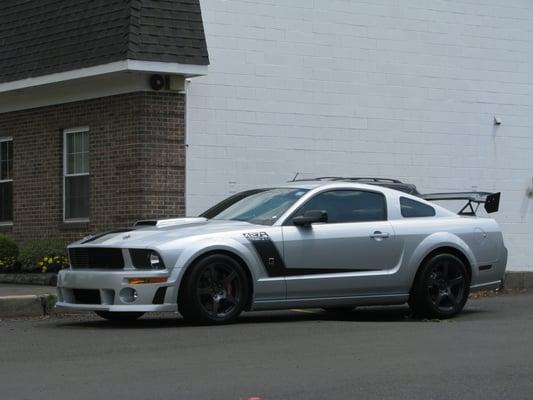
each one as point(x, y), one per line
point(274, 264)
point(255, 236)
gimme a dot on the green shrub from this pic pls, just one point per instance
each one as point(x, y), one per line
point(8, 248)
point(9, 252)
point(45, 255)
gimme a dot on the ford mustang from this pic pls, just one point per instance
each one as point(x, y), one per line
point(331, 243)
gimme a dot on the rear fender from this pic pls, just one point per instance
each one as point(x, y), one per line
point(436, 241)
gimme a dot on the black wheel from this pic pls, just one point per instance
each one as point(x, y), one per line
point(215, 291)
point(119, 316)
point(441, 287)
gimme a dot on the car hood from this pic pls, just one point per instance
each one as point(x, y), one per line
point(161, 231)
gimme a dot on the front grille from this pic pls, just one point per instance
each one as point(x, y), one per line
point(86, 296)
point(96, 257)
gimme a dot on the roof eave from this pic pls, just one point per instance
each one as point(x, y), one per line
point(154, 67)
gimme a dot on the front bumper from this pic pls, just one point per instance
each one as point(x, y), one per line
point(98, 290)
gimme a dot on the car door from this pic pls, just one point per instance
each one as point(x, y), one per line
point(349, 254)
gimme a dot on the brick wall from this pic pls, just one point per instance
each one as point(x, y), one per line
point(403, 89)
point(136, 166)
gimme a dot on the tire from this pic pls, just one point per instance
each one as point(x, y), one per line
point(441, 287)
point(119, 316)
point(215, 291)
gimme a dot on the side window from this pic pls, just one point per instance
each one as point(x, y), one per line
point(413, 209)
point(6, 180)
point(76, 174)
point(348, 206)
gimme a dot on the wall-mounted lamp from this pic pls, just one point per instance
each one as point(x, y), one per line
point(497, 121)
point(529, 190)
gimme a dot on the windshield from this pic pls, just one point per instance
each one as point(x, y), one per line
point(259, 206)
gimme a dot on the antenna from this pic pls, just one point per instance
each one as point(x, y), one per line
point(295, 176)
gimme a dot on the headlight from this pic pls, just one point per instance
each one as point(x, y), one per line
point(146, 259)
point(155, 261)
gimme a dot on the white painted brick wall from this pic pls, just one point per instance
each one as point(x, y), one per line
point(396, 88)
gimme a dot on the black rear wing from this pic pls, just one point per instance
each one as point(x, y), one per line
point(491, 201)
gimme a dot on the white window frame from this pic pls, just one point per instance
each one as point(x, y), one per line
point(67, 132)
point(6, 139)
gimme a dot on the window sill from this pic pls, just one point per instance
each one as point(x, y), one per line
point(76, 221)
point(6, 224)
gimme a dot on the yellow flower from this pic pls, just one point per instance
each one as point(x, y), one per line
point(50, 261)
point(40, 264)
point(45, 259)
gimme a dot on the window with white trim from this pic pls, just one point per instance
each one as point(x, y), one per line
point(6, 180)
point(76, 174)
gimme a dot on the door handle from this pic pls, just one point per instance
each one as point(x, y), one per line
point(378, 235)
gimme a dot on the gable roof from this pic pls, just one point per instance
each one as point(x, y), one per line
point(41, 37)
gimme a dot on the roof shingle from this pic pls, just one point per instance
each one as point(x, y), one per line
point(41, 37)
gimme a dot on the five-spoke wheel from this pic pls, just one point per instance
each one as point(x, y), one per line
point(219, 289)
point(215, 290)
point(441, 287)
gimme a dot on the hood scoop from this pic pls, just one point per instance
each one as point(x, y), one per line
point(160, 223)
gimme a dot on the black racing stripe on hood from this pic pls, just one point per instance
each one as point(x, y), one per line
point(93, 238)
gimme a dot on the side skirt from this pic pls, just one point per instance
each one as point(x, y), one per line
point(486, 286)
point(370, 300)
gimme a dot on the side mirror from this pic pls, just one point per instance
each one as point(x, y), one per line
point(310, 217)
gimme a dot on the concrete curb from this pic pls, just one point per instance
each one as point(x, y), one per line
point(26, 305)
point(518, 280)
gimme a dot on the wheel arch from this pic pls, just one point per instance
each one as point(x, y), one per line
point(222, 251)
point(444, 249)
point(438, 243)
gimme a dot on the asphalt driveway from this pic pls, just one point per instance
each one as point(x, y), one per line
point(373, 353)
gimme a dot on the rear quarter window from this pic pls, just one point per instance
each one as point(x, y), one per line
point(414, 209)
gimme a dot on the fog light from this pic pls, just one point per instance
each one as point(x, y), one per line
point(128, 295)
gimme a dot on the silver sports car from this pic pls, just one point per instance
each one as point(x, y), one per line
point(332, 243)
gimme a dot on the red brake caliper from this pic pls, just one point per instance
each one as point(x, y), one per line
point(231, 289)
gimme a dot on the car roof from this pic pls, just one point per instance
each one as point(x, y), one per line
point(397, 189)
point(334, 185)
point(355, 182)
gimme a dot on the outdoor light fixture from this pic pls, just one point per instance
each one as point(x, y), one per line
point(529, 190)
point(497, 121)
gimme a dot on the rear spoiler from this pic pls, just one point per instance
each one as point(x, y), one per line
point(491, 201)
